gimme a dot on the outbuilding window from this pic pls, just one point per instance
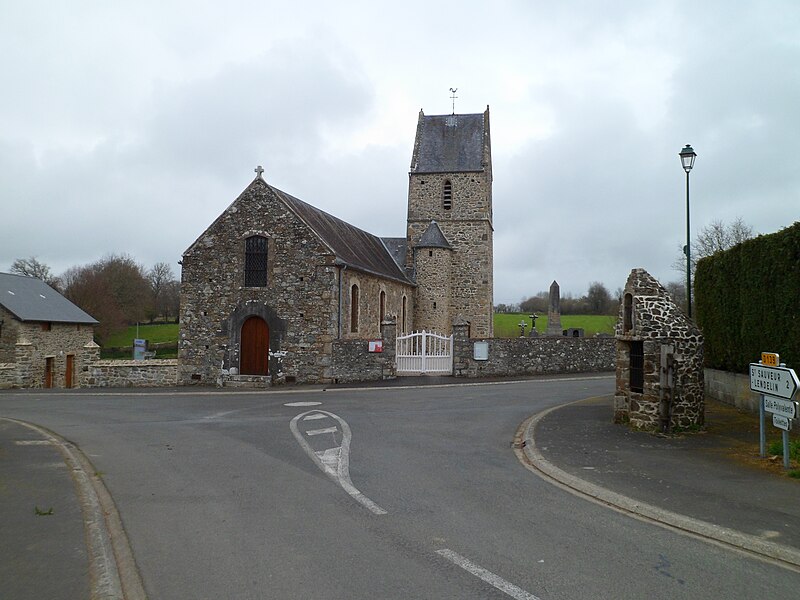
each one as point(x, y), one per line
point(637, 366)
point(255, 261)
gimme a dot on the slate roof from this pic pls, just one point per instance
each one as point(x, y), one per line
point(31, 299)
point(352, 246)
point(433, 238)
point(449, 143)
point(397, 248)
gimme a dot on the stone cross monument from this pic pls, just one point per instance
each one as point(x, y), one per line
point(554, 311)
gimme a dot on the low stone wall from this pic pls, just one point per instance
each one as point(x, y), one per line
point(352, 362)
point(132, 373)
point(510, 357)
point(8, 375)
point(731, 388)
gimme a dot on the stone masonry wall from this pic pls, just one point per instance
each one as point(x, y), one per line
point(35, 345)
point(353, 362)
point(8, 336)
point(468, 228)
point(433, 288)
point(133, 373)
point(370, 289)
point(510, 357)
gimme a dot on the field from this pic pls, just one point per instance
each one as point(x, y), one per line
point(119, 345)
point(156, 334)
point(507, 324)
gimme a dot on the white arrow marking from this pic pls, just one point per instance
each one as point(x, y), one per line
point(335, 462)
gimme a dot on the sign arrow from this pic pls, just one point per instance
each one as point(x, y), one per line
point(779, 382)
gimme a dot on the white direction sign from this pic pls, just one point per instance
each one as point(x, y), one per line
point(773, 381)
point(776, 406)
point(782, 422)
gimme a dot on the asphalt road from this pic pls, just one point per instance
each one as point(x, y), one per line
point(223, 498)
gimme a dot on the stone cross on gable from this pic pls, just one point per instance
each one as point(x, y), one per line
point(259, 170)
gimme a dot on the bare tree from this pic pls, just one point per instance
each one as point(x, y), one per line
point(598, 299)
point(162, 287)
point(114, 290)
point(713, 238)
point(677, 289)
point(32, 267)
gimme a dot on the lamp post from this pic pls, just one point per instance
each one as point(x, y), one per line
point(687, 160)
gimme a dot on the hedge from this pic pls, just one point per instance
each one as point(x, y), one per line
point(747, 301)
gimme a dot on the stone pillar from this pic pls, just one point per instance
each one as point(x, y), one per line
point(554, 310)
point(389, 354)
point(90, 354)
point(25, 371)
point(461, 347)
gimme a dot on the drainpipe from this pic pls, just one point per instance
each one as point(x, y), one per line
point(339, 311)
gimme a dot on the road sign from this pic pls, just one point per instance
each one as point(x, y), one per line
point(773, 381)
point(776, 406)
point(771, 359)
point(782, 422)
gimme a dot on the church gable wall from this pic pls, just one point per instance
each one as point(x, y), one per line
point(299, 302)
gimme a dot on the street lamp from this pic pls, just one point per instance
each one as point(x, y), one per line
point(687, 160)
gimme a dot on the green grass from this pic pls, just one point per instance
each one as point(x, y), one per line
point(775, 448)
point(155, 334)
point(507, 324)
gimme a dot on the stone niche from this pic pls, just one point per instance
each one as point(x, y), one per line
point(659, 360)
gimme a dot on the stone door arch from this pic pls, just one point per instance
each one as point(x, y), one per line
point(254, 357)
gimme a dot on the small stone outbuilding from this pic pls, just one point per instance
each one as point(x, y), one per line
point(659, 360)
point(45, 340)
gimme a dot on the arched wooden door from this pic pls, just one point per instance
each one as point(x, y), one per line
point(254, 357)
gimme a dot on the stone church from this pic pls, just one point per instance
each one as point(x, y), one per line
point(275, 284)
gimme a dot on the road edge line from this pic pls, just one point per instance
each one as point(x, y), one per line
point(532, 459)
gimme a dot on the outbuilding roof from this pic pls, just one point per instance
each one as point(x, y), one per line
point(31, 299)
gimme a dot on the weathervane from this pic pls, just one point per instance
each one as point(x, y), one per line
point(453, 91)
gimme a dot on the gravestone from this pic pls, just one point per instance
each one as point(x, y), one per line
point(554, 311)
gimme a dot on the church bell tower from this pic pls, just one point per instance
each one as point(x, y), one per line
point(450, 202)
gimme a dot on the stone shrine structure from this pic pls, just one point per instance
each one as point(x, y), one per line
point(659, 360)
point(276, 289)
point(554, 310)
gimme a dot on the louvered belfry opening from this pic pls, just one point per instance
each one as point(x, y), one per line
point(255, 261)
point(447, 196)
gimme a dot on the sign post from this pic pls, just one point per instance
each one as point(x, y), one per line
point(777, 386)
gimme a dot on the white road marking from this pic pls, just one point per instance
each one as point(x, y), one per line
point(487, 576)
point(321, 431)
point(32, 442)
point(302, 403)
point(314, 416)
point(220, 414)
point(335, 462)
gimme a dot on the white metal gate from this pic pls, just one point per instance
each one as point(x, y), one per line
point(424, 353)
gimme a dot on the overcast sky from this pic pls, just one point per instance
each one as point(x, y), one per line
point(128, 127)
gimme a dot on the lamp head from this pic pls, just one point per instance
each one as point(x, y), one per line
point(687, 158)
